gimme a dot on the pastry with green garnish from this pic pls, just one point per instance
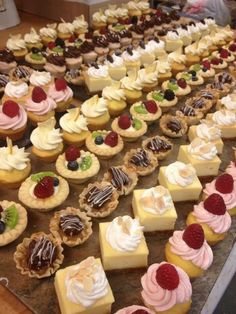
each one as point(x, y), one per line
point(147, 110)
point(36, 59)
point(165, 99)
point(179, 86)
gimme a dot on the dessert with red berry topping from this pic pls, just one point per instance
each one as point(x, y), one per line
point(212, 215)
point(71, 226)
point(167, 280)
point(160, 146)
point(99, 199)
point(13, 221)
point(192, 77)
point(224, 54)
point(147, 110)
point(104, 144)
point(189, 250)
point(179, 86)
point(173, 126)
point(129, 128)
point(217, 63)
point(61, 93)
point(38, 256)
point(43, 191)
point(165, 99)
point(76, 165)
point(56, 47)
point(135, 309)
point(203, 69)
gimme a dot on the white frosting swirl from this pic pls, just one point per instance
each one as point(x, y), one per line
point(153, 46)
point(172, 35)
point(193, 29)
point(202, 26)
point(49, 31)
point(183, 32)
point(224, 117)
point(16, 43)
point(145, 77)
point(146, 50)
point(121, 12)
point(202, 150)
point(113, 92)
point(99, 17)
point(143, 5)
point(194, 49)
point(102, 71)
point(71, 122)
point(80, 23)
point(132, 5)
point(32, 37)
point(162, 66)
point(16, 89)
point(208, 130)
point(124, 234)
point(177, 57)
point(38, 78)
point(134, 57)
point(111, 11)
point(209, 21)
point(66, 27)
point(229, 101)
point(94, 107)
point(16, 159)
point(181, 174)
point(117, 62)
point(86, 282)
point(130, 84)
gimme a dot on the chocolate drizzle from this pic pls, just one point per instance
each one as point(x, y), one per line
point(56, 60)
point(137, 28)
point(86, 47)
point(125, 33)
point(100, 41)
point(113, 37)
point(174, 125)
point(198, 103)
point(71, 225)
point(98, 197)
point(6, 56)
point(225, 78)
point(140, 159)
point(206, 94)
point(119, 178)
point(42, 253)
point(21, 72)
point(73, 73)
point(3, 80)
point(158, 145)
point(188, 111)
point(71, 52)
point(217, 85)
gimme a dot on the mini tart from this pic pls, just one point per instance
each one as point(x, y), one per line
point(10, 235)
point(220, 88)
point(225, 78)
point(189, 78)
point(141, 160)
point(22, 256)
point(35, 60)
point(200, 104)
point(209, 94)
point(103, 151)
point(190, 115)
point(139, 111)
point(176, 88)
point(123, 179)
point(202, 71)
point(107, 206)
point(73, 235)
point(46, 204)
point(160, 146)
point(158, 97)
point(21, 72)
point(75, 77)
point(173, 126)
point(80, 175)
point(129, 136)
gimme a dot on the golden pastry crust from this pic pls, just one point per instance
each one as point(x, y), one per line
point(199, 81)
point(126, 135)
point(166, 119)
point(12, 179)
point(165, 105)
point(21, 253)
point(207, 104)
point(126, 189)
point(107, 208)
point(190, 120)
point(46, 204)
point(48, 155)
point(208, 94)
point(141, 170)
point(147, 117)
point(180, 91)
point(71, 240)
point(222, 92)
point(100, 151)
point(12, 234)
point(78, 176)
point(162, 154)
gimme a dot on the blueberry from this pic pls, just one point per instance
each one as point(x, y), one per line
point(193, 73)
point(194, 78)
point(172, 80)
point(2, 227)
point(56, 181)
point(99, 140)
point(60, 42)
point(204, 69)
point(73, 165)
point(169, 94)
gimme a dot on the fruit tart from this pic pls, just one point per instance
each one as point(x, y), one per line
point(56, 47)
point(165, 99)
point(122, 178)
point(147, 110)
point(99, 199)
point(142, 161)
point(61, 93)
point(218, 64)
point(213, 217)
point(76, 165)
point(160, 146)
point(129, 128)
point(179, 87)
point(43, 191)
point(203, 69)
point(36, 59)
point(173, 126)
point(20, 73)
point(224, 54)
point(7, 61)
point(104, 144)
point(190, 115)
point(13, 221)
point(192, 78)
point(39, 256)
point(71, 226)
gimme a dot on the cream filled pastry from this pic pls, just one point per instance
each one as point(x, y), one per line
point(202, 150)
point(48, 33)
point(40, 78)
point(224, 117)
point(33, 39)
point(208, 130)
point(80, 24)
point(179, 173)
point(229, 101)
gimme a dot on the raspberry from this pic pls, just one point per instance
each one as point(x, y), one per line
point(10, 108)
point(124, 122)
point(215, 61)
point(224, 183)
point(206, 64)
point(167, 277)
point(224, 53)
point(140, 311)
point(60, 84)
point(215, 204)
point(51, 45)
point(72, 153)
point(111, 139)
point(71, 39)
point(44, 188)
point(38, 94)
point(182, 83)
point(193, 236)
point(151, 106)
point(232, 47)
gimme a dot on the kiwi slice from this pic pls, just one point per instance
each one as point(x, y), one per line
point(141, 109)
point(36, 56)
point(137, 124)
point(86, 163)
point(157, 96)
point(37, 177)
point(11, 216)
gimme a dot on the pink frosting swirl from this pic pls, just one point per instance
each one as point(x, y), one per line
point(14, 123)
point(231, 169)
point(41, 108)
point(131, 309)
point(229, 198)
point(218, 223)
point(62, 95)
point(162, 299)
point(202, 257)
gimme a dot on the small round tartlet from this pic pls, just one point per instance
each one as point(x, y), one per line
point(199, 103)
point(71, 226)
point(165, 99)
point(192, 78)
point(160, 146)
point(190, 115)
point(76, 165)
point(173, 126)
point(147, 110)
point(179, 87)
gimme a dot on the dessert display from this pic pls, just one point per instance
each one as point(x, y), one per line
point(225, 121)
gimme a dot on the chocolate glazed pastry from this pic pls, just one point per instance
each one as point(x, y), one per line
point(157, 145)
point(98, 197)
point(6, 56)
point(71, 52)
point(71, 225)
point(56, 60)
point(119, 178)
point(173, 126)
point(140, 159)
point(20, 73)
point(113, 37)
point(125, 33)
point(188, 111)
point(100, 41)
point(86, 47)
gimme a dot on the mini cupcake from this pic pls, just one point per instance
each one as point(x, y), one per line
point(36, 59)
point(131, 59)
point(116, 67)
point(164, 70)
point(99, 20)
point(148, 78)
point(111, 14)
point(39, 107)
point(41, 79)
point(132, 88)
point(48, 34)
point(184, 35)
point(18, 46)
point(172, 40)
point(65, 30)
point(74, 127)
point(20, 73)
point(77, 166)
point(173, 126)
point(47, 141)
point(133, 8)
point(33, 40)
point(56, 47)
point(189, 250)
point(55, 65)
point(165, 100)
point(100, 45)
point(134, 309)
point(147, 54)
point(193, 53)
point(160, 146)
point(178, 86)
point(115, 98)
point(231, 169)
point(213, 217)
point(147, 110)
point(72, 57)
point(13, 120)
point(74, 77)
point(177, 61)
point(88, 53)
point(129, 128)
point(7, 61)
point(80, 25)
point(113, 41)
point(17, 91)
point(61, 93)
point(158, 47)
point(125, 38)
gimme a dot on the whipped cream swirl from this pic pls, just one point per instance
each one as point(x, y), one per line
point(16, 159)
point(100, 72)
point(229, 101)
point(202, 150)
point(224, 117)
point(94, 107)
point(16, 89)
point(71, 122)
point(40, 78)
point(181, 174)
point(16, 43)
point(208, 130)
point(113, 92)
point(130, 84)
point(49, 31)
point(32, 37)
